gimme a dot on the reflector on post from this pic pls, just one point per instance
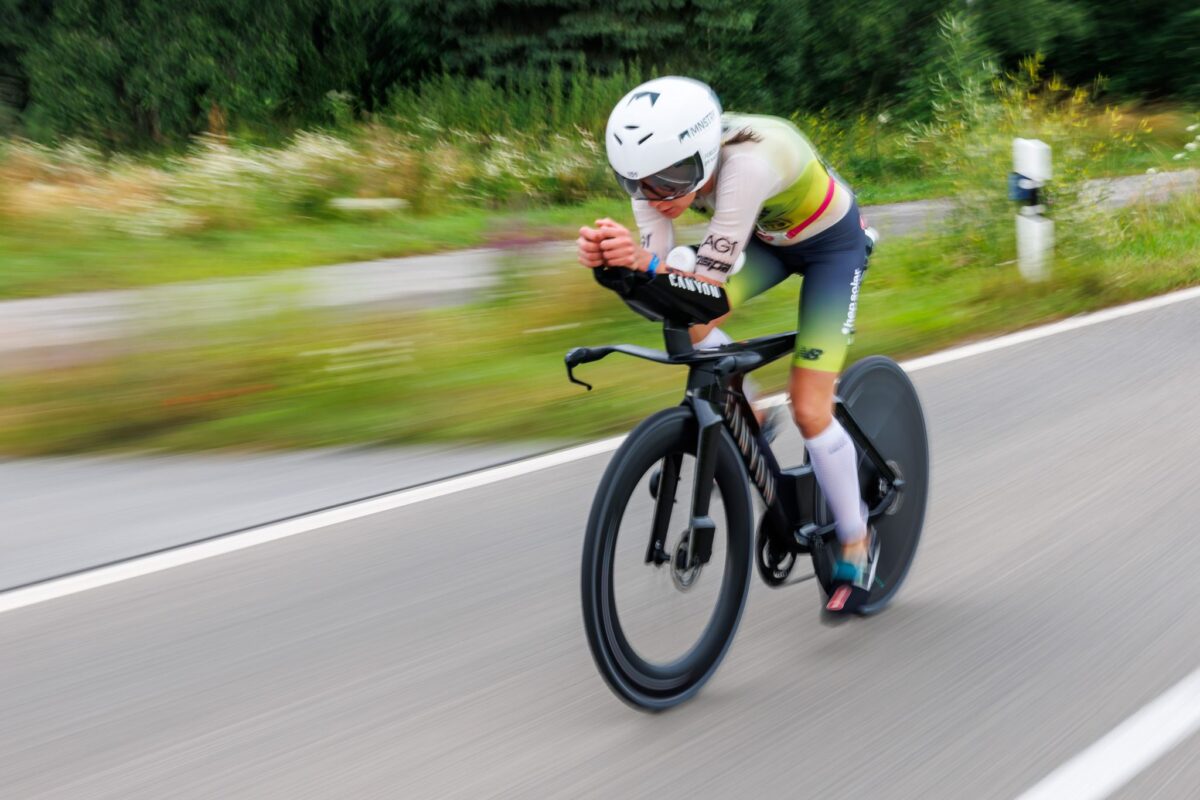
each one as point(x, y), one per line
point(1031, 159)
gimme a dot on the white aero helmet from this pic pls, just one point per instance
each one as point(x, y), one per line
point(663, 138)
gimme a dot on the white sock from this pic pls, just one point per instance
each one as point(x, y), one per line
point(715, 338)
point(835, 463)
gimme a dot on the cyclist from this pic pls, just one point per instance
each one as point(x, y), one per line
point(770, 197)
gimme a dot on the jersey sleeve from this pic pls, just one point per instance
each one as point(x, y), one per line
point(743, 184)
point(656, 231)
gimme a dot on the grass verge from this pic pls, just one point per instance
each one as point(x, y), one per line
point(72, 221)
point(493, 370)
point(48, 257)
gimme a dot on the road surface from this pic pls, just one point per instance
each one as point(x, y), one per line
point(435, 651)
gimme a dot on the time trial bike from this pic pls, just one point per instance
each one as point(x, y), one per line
point(648, 546)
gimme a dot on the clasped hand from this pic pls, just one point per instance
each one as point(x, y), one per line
point(609, 244)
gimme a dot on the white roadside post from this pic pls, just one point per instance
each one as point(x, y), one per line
point(1035, 233)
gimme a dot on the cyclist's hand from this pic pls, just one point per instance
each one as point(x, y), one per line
point(588, 245)
point(618, 247)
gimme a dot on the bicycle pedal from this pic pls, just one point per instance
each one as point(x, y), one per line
point(804, 534)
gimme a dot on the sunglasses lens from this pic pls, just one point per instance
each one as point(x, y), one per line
point(667, 184)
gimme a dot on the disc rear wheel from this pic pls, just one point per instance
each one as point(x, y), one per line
point(883, 402)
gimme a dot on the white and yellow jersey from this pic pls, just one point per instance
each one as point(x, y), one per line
point(776, 188)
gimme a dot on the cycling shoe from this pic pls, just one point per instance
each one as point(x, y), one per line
point(852, 580)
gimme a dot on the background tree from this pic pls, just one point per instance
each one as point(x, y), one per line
point(131, 73)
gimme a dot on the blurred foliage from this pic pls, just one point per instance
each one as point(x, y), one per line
point(976, 111)
point(141, 73)
point(493, 369)
point(450, 144)
point(73, 219)
point(217, 185)
point(567, 100)
point(157, 135)
point(1147, 48)
point(48, 256)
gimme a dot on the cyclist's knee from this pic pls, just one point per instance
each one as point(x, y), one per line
point(811, 420)
point(812, 400)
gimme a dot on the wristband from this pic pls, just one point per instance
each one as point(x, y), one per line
point(653, 264)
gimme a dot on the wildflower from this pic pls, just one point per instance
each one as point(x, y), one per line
point(1190, 146)
point(1179, 156)
point(884, 118)
point(1193, 127)
point(1152, 171)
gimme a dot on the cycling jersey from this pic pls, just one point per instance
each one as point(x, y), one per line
point(806, 221)
point(776, 188)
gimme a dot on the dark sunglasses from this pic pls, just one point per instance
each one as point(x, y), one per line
point(667, 184)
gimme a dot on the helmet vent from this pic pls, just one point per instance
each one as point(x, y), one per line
point(618, 138)
point(644, 138)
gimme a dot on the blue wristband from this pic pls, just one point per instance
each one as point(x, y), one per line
point(653, 264)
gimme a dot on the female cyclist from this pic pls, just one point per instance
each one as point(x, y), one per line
point(769, 196)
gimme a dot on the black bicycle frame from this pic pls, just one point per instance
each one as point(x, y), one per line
point(715, 398)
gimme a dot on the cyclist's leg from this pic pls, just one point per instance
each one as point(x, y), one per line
point(762, 270)
point(833, 265)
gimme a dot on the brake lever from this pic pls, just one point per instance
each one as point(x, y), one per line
point(573, 359)
point(571, 377)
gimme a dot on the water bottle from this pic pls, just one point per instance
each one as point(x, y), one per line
point(683, 258)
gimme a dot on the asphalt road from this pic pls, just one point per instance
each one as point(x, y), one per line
point(68, 513)
point(436, 650)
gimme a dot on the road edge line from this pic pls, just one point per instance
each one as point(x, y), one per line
point(1120, 755)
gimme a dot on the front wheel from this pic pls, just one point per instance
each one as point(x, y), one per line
point(883, 402)
point(657, 625)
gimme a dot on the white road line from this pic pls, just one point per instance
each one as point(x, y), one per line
point(1128, 749)
point(1053, 329)
point(187, 554)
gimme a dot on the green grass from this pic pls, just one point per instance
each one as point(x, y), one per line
point(55, 258)
point(51, 258)
point(494, 370)
point(259, 233)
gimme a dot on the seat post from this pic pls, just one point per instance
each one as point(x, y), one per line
point(676, 339)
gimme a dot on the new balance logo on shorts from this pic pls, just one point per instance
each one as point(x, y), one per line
point(808, 353)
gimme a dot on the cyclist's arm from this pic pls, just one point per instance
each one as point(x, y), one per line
point(745, 181)
point(656, 231)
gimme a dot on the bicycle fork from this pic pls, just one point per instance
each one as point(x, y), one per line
point(702, 399)
point(701, 527)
